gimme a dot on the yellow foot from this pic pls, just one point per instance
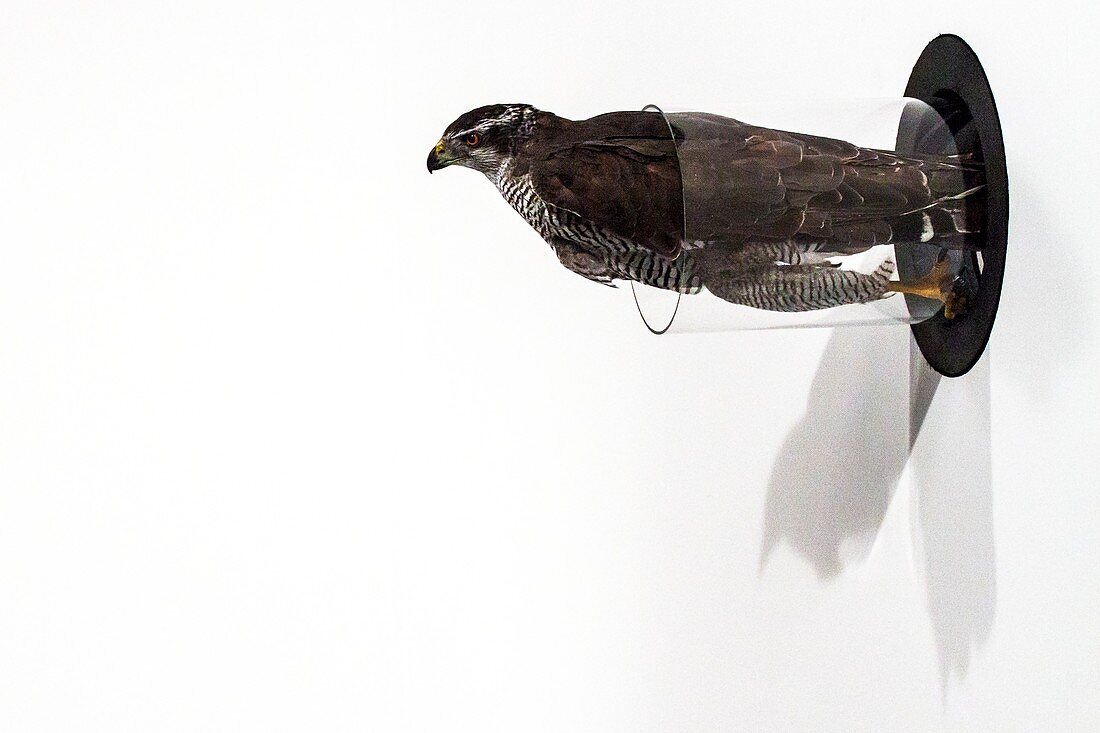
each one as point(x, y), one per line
point(939, 284)
point(953, 304)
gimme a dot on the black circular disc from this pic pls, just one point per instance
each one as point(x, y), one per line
point(949, 78)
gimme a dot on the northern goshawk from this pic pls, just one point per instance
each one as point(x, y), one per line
point(606, 194)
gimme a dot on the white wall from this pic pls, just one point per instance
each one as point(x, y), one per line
point(296, 437)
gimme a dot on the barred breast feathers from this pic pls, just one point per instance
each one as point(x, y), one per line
point(625, 258)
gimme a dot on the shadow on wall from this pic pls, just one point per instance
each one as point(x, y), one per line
point(951, 466)
point(838, 469)
point(868, 417)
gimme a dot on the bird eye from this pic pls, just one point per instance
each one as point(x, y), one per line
point(473, 138)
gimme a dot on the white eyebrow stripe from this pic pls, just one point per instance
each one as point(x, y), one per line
point(479, 128)
point(486, 125)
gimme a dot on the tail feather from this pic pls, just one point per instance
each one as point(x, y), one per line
point(951, 221)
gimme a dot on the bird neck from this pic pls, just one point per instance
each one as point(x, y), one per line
point(501, 172)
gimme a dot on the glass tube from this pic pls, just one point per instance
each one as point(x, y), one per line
point(803, 229)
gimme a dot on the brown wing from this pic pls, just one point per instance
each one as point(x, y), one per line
point(745, 182)
point(618, 172)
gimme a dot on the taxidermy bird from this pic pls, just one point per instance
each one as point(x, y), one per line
point(768, 214)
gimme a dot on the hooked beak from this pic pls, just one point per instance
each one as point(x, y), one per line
point(438, 158)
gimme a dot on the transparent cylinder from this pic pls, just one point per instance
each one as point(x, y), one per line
point(789, 229)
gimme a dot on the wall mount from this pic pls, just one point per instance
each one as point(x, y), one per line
point(949, 77)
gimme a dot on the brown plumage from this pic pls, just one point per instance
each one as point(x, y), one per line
point(747, 183)
point(617, 170)
point(697, 200)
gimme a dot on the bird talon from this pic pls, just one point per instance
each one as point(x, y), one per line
point(953, 305)
point(957, 299)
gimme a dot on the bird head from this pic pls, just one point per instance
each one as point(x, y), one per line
point(484, 138)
